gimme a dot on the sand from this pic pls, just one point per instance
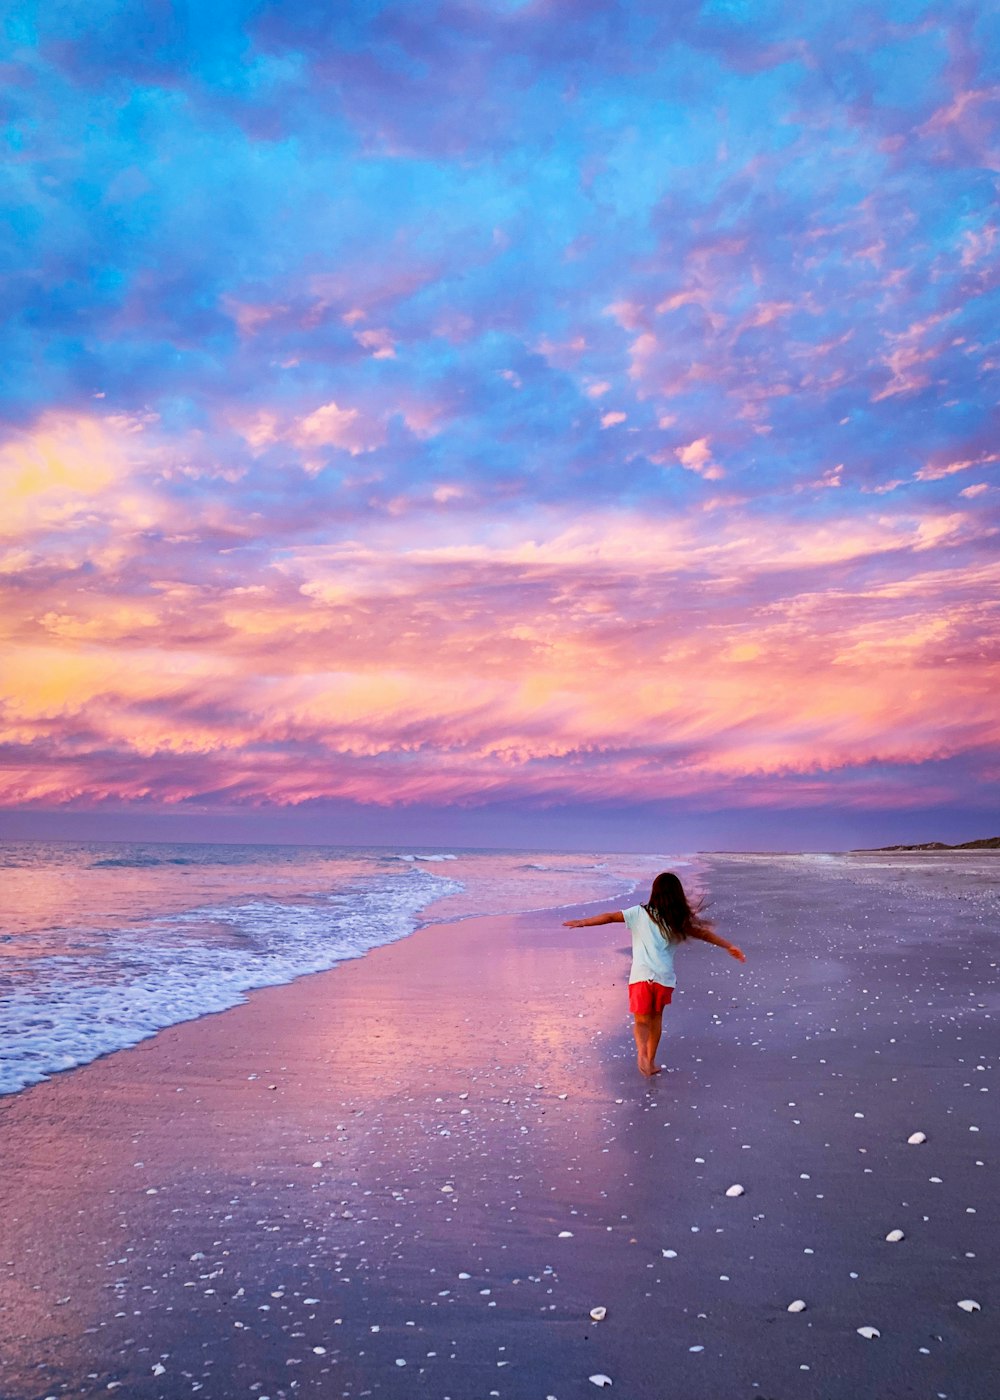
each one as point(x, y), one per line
point(417, 1174)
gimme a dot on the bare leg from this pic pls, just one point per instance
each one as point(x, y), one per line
point(641, 1030)
point(653, 1033)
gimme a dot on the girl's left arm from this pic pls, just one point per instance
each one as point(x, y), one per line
point(614, 917)
point(708, 935)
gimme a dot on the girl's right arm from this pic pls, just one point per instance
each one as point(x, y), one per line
point(614, 917)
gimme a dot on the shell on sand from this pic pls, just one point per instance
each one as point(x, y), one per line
point(600, 1380)
point(797, 1306)
point(969, 1305)
point(915, 1138)
point(598, 1314)
point(894, 1236)
point(734, 1191)
point(869, 1332)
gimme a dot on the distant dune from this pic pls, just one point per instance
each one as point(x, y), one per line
point(985, 843)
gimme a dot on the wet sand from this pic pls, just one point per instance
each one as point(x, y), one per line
point(416, 1174)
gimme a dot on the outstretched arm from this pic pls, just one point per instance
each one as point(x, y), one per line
point(707, 934)
point(614, 917)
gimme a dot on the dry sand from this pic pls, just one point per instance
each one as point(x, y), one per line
point(417, 1174)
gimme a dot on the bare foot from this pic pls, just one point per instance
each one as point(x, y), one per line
point(643, 1064)
point(654, 1069)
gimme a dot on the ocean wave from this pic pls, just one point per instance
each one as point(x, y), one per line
point(436, 857)
point(139, 862)
point(65, 1011)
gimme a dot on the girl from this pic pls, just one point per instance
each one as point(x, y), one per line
point(656, 926)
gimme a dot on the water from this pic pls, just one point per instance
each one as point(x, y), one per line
point(103, 945)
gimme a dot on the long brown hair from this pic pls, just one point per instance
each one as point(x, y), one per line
point(669, 909)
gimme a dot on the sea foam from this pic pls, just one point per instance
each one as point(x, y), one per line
point(65, 1010)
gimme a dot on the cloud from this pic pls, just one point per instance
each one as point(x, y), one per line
point(332, 426)
point(53, 473)
point(697, 457)
point(351, 661)
point(935, 471)
point(500, 401)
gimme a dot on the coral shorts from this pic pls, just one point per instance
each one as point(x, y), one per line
point(648, 998)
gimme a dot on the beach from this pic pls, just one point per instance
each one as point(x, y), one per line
point(417, 1173)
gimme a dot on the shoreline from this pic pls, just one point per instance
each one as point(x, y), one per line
point(182, 943)
point(165, 1207)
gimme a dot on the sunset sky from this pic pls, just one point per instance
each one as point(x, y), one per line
point(565, 421)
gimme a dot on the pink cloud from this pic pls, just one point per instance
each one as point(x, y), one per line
point(978, 244)
point(935, 471)
point(507, 638)
point(379, 342)
point(958, 109)
point(832, 478)
point(249, 316)
point(765, 313)
point(562, 354)
point(333, 426)
point(628, 314)
point(697, 457)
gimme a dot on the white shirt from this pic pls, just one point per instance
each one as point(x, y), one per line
point(652, 955)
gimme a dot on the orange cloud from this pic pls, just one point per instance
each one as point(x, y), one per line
point(53, 473)
point(599, 656)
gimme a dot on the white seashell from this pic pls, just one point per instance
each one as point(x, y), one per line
point(669, 1253)
point(869, 1332)
point(447, 1190)
point(969, 1305)
point(159, 1369)
point(894, 1236)
point(565, 1234)
point(735, 1191)
point(797, 1306)
point(319, 1351)
point(598, 1314)
point(915, 1138)
point(600, 1380)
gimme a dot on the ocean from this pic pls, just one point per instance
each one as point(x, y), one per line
point(102, 945)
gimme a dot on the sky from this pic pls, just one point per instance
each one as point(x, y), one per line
point(571, 421)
